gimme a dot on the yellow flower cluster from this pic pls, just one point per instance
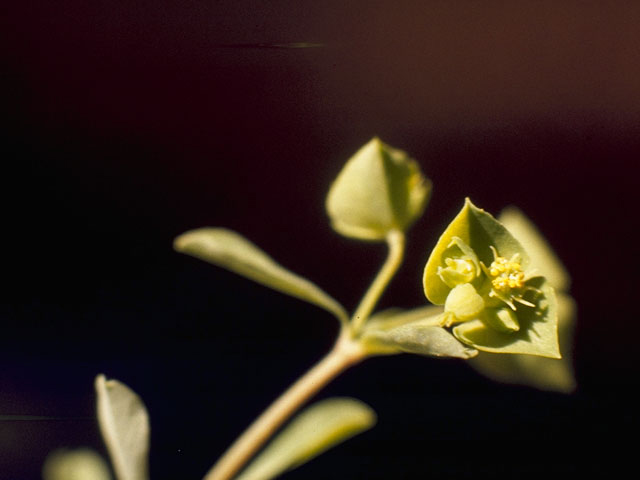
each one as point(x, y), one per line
point(507, 274)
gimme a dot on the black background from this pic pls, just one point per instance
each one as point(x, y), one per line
point(126, 123)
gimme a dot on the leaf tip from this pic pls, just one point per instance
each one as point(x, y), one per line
point(100, 382)
point(468, 204)
point(181, 241)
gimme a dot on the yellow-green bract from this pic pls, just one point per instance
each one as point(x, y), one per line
point(505, 307)
point(379, 190)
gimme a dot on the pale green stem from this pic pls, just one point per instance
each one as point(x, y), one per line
point(395, 241)
point(344, 354)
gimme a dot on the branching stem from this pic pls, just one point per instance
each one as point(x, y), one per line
point(344, 354)
point(395, 241)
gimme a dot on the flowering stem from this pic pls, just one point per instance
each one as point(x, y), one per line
point(395, 241)
point(345, 353)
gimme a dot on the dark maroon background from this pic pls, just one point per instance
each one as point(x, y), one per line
point(126, 123)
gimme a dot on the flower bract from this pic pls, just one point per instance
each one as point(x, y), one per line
point(493, 300)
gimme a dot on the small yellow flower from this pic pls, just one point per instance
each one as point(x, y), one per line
point(507, 279)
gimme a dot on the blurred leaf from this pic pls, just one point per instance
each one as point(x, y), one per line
point(124, 424)
point(315, 430)
point(231, 251)
point(380, 189)
point(542, 256)
point(79, 464)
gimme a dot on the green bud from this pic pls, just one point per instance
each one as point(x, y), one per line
point(464, 303)
point(380, 189)
point(461, 264)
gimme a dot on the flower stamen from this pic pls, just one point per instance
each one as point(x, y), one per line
point(507, 279)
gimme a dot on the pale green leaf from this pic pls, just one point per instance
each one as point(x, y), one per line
point(543, 258)
point(417, 331)
point(538, 372)
point(228, 249)
point(422, 338)
point(396, 317)
point(315, 430)
point(479, 230)
point(380, 189)
point(78, 464)
point(124, 424)
point(538, 328)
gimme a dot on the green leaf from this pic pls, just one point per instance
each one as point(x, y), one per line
point(396, 317)
point(414, 331)
point(315, 430)
point(78, 464)
point(231, 251)
point(417, 337)
point(380, 189)
point(538, 328)
point(479, 230)
point(542, 256)
point(538, 372)
point(124, 424)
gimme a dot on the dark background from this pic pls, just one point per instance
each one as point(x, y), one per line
point(126, 123)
